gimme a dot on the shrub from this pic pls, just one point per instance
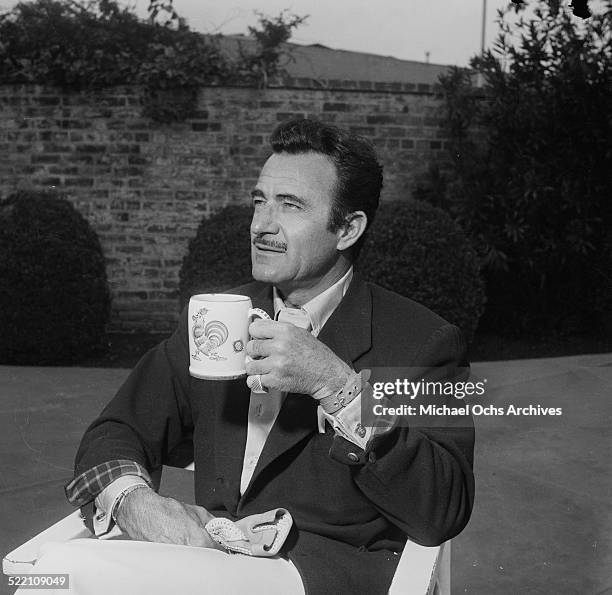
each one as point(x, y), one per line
point(219, 255)
point(267, 61)
point(418, 251)
point(413, 249)
point(530, 177)
point(54, 297)
point(102, 44)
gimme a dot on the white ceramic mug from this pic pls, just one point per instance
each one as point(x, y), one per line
point(218, 329)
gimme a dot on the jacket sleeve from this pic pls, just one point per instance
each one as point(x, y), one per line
point(420, 478)
point(150, 414)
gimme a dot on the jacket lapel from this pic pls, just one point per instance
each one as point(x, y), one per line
point(348, 334)
point(296, 420)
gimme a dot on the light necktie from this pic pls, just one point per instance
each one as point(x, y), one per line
point(264, 408)
point(296, 316)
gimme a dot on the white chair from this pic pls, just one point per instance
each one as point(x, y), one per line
point(421, 570)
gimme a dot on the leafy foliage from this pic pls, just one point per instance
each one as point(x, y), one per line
point(413, 249)
point(101, 44)
point(54, 297)
point(579, 7)
point(272, 33)
point(530, 180)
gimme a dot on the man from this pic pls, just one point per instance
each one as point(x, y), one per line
point(354, 495)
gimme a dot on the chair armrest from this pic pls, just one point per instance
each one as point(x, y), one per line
point(421, 569)
point(177, 483)
point(22, 559)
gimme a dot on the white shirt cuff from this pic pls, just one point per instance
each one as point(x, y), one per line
point(108, 497)
point(347, 423)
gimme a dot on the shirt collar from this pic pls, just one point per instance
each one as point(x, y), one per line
point(322, 306)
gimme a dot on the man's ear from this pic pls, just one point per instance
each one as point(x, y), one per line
point(354, 227)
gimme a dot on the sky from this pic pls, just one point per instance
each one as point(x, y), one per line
point(450, 30)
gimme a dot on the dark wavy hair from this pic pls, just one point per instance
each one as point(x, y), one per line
point(359, 172)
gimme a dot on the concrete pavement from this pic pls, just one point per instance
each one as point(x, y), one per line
point(542, 519)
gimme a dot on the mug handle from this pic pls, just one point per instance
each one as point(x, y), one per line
point(257, 312)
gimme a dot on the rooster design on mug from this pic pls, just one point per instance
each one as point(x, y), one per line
point(207, 336)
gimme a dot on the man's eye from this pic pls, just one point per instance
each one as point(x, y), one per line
point(291, 205)
point(258, 200)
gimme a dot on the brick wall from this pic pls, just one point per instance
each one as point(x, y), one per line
point(144, 186)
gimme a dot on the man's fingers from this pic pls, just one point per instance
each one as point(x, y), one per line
point(258, 366)
point(262, 329)
point(258, 348)
point(267, 329)
point(267, 381)
point(200, 512)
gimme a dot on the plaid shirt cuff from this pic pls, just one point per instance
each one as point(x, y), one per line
point(88, 485)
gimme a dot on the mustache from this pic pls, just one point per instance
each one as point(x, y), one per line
point(272, 244)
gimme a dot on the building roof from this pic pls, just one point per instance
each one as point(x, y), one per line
point(321, 62)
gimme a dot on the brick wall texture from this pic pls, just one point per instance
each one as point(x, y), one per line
point(144, 186)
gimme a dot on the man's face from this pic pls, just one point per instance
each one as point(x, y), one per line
point(291, 244)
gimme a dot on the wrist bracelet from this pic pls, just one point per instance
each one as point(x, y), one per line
point(349, 391)
point(121, 497)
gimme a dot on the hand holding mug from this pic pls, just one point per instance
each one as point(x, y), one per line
point(289, 358)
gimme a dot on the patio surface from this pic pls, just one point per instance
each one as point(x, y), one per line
point(542, 522)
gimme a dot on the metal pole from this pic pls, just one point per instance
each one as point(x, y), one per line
point(484, 25)
point(479, 77)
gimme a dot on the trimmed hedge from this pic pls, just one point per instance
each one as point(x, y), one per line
point(54, 296)
point(219, 256)
point(418, 251)
point(413, 248)
point(529, 176)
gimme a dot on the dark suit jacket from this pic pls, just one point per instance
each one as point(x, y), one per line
point(350, 516)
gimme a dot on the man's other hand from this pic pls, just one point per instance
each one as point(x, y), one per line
point(289, 358)
point(144, 515)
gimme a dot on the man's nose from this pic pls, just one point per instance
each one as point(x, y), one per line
point(264, 221)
